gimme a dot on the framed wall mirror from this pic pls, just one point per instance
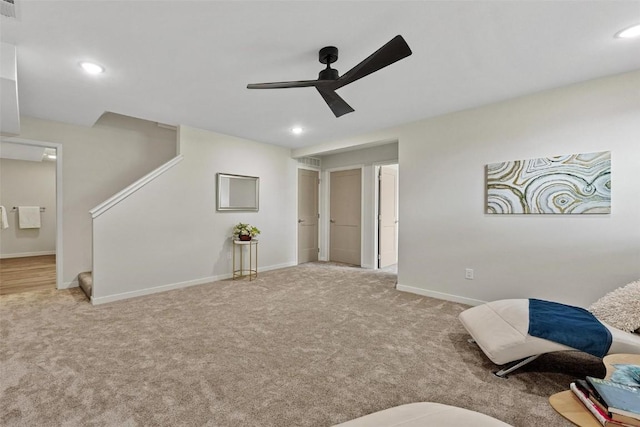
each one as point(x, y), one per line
point(238, 192)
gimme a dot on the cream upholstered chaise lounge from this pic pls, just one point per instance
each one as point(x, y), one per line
point(502, 328)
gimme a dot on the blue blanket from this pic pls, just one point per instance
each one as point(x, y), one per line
point(568, 325)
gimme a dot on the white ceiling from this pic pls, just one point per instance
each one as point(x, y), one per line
point(188, 62)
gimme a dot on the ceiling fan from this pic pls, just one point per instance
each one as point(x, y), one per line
point(328, 80)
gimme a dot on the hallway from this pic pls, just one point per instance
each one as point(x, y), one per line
point(26, 274)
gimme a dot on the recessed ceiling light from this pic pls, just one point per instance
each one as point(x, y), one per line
point(92, 68)
point(296, 130)
point(629, 33)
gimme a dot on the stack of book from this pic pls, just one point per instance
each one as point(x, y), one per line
point(612, 403)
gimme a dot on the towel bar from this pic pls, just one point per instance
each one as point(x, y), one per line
point(15, 208)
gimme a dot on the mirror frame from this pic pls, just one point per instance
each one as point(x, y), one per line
point(221, 206)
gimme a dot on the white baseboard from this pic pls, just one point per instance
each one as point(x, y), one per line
point(73, 284)
point(157, 289)
point(439, 295)
point(179, 285)
point(278, 266)
point(26, 254)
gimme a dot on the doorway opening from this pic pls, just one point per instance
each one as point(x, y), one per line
point(308, 215)
point(387, 214)
point(31, 180)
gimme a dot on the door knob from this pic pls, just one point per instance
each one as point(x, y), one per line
point(332, 221)
point(300, 220)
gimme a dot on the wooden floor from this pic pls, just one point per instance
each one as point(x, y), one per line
point(26, 274)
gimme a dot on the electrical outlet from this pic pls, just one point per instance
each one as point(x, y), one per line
point(468, 273)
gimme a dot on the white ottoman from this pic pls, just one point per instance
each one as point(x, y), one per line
point(423, 414)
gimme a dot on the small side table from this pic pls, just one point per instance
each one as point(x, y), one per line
point(240, 271)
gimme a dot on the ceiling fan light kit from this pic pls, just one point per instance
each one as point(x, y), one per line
point(329, 80)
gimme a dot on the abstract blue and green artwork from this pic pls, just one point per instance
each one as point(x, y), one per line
point(571, 184)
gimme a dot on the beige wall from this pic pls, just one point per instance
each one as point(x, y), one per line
point(27, 183)
point(364, 156)
point(168, 234)
point(443, 227)
point(568, 258)
point(98, 162)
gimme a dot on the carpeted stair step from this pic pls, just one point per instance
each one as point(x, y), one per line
point(86, 282)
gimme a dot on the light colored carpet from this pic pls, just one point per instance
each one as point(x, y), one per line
point(311, 345)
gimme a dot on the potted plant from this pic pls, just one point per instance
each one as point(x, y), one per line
point(245, 231)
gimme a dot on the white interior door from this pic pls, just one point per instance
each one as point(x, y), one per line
point(388, 217)
point(345, 216)
point(307, 215)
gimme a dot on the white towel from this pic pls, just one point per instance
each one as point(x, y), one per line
point(4, 221)
point(29, 216)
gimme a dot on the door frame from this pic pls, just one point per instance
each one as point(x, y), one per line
point(58, 148)
point(324, 227)
point(311, 168)
point(376, 208)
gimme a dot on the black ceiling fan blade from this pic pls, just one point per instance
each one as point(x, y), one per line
point(284, 85)
point(395, 50)
point(338, 105)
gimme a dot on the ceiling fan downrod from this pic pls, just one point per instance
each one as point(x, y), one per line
point(328, 55)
